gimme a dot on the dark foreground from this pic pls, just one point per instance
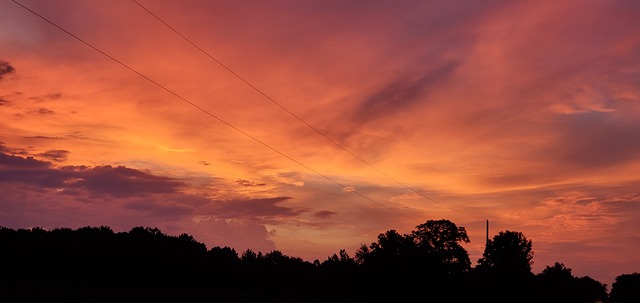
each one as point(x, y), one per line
point(95, 264)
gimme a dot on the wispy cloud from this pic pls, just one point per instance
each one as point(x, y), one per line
point(56, 155)
point(5, 69)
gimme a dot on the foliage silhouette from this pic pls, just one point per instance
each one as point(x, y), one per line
point(505, 267)
point(97, 264)
point(429, 258)
point(440, 241)
point(556, 284)
point(626, 288)
point(508, 253)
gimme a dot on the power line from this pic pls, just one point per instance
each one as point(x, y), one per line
point(345, 188)
point(259, 91)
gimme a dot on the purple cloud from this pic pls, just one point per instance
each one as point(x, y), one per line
point(247, 183)
point(262, 207)
point(56, 155)
point(5, 69)
point(401, 94)
point(120, 181)
point(156, 209)
point(116, 181)
point(598, 139)
point(324, 214)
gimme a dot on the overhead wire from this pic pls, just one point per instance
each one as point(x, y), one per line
point(297, 117)
point(175, 94)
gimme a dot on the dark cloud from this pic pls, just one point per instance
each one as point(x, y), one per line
point(5, 68)
point(117, 181)
point(45, 97)
point(29, 171)
point(7, 99)
point(171, 213)
point(8, 162)
point(12, 151)
point(598, 139)
point(54, 96)
point(43, 111)
point(325, 214)
point(263, 207)
point(247, 183)
point(57, 155)
point(401, 94)
point(120, 181)
point(44, 138)
point(153, 208)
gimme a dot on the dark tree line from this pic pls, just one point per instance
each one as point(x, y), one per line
point(96, 264)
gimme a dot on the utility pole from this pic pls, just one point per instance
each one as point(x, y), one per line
point(487, 237)
point(488, 275)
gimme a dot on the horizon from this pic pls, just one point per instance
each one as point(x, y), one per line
point(241, 253)
point(310, 127)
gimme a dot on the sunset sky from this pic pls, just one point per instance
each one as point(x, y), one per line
point(313, 126)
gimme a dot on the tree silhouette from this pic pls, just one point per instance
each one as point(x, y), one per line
point(144, 264)
point(342, 272)
point(429, 258)
point(440, 240)
point(509, 252)
point(441, 259)
point(506, 267)
point(557, 284)
point(626, 288)
point(391, 250)
point(586, 289)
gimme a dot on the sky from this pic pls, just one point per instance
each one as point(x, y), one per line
point(314, 126)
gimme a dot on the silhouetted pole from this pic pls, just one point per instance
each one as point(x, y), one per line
point(487, 281)
point(487, 237)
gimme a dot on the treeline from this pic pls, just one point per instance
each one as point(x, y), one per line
point(96, 264)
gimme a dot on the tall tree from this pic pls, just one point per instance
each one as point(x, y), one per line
point(509, 252)
point(505, 268)
point(439, 240)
